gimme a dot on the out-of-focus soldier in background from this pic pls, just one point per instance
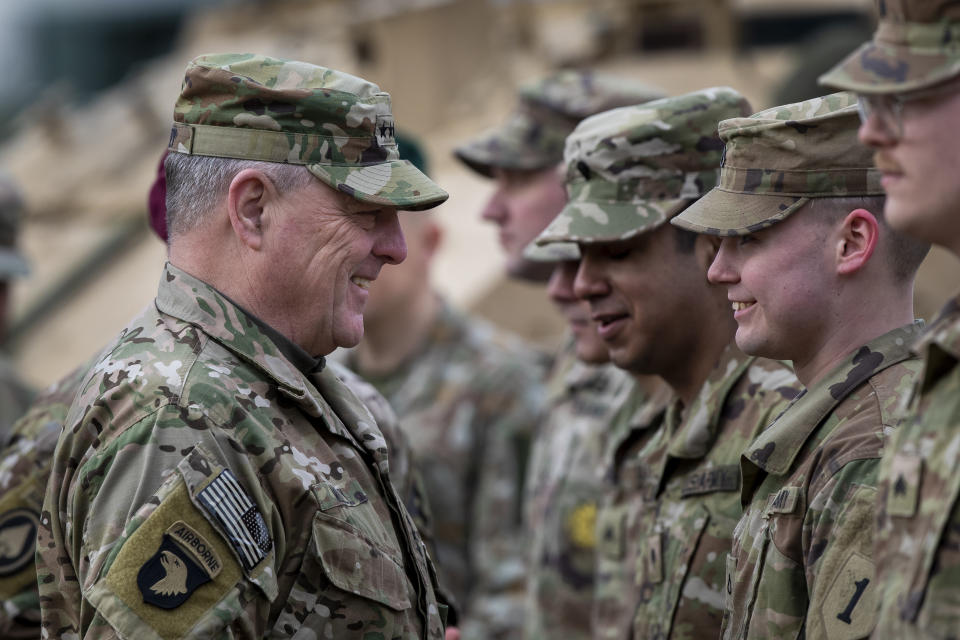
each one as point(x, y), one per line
point(565, 482)
point(522, 155)
point(15, 395)
point(909, 96)
point(816, 277)
point(468, 398)
point(664, 531)
point(215, 476)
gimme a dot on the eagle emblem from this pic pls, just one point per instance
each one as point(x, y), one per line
point(174, 581)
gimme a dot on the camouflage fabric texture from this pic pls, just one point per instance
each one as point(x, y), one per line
point(468, 401)
point(667, 528)
point(12, 262)
point(25, 465)
point(339, 126)
point(918, 566)
point(777, 160)
point(15, 397)
point(802, 558)
point(916, 45)
point(565, 485)
point(547, 111)
point(204, 487)
point(631, 169)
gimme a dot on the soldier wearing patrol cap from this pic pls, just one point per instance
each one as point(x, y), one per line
point(522, 155)
point(469, 397)
point(214, 477)
point(665, 529)
point(565, 483)
point(908, 82)
point(14, 393)
point(816, 277)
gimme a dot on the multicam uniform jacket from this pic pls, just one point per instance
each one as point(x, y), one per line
point(564, 485)
point(918, 540)
point(666, 531)
point(204, 487)
point(802, 558)
point(24, 469)
point(468, 401)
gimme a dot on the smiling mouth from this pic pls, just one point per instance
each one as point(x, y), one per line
point(363, 283)
point(740, 306)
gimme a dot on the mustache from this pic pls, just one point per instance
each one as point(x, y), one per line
point(886, 164)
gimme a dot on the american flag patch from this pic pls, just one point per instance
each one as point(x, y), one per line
point(246, 529)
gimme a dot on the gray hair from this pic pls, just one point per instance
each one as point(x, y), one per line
point(197, 184)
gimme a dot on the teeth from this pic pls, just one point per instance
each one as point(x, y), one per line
point(363, 283)
point(740, 306)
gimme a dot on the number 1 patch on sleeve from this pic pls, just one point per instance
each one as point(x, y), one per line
point(850, 608)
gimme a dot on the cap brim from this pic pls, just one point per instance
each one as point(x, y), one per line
point(588, 222)
point(552, 252)
point(879, 68)
point(397, 183)
point(727, 213)
point(503, 155)
point(12, 263)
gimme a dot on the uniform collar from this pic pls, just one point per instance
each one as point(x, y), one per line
point(696, 429)
point(775, 449)
point(319, 394)
point(940, 344)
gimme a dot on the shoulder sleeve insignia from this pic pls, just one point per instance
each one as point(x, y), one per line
point(18, 534)
point(238, 516)
point(183, 562)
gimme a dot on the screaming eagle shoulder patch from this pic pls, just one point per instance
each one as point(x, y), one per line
point(184, 561)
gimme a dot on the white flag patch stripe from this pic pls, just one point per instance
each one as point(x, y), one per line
point(226, 500)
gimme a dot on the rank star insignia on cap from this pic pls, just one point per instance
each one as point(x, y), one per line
point(339, 126)
point(916, 45)
point(776, 160)
point(629, 170)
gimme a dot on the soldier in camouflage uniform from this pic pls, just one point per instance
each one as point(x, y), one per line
point(468, 398)
point(907, 82)
point(15, 395)
point(214, 477)
point(663, 532)
point(565, 482)
point(816, 278)
point(522, 155)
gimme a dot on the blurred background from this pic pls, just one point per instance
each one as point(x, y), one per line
point(88, 88)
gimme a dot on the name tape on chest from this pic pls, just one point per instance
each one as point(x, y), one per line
point(239, 518)
point(722, 478)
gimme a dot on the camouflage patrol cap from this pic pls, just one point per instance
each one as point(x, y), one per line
point(916, 45)
point(631, 169)
point(340, 127)
point(775, 161)
point(553, 252)
point(12, 262)
point(547, 111)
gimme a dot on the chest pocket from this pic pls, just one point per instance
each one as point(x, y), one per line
point(763, 591)
point(938, 537)
point(667, 561)
point(352, 579)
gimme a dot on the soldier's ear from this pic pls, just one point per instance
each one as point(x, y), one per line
point(247, 198)
point(855, 241)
